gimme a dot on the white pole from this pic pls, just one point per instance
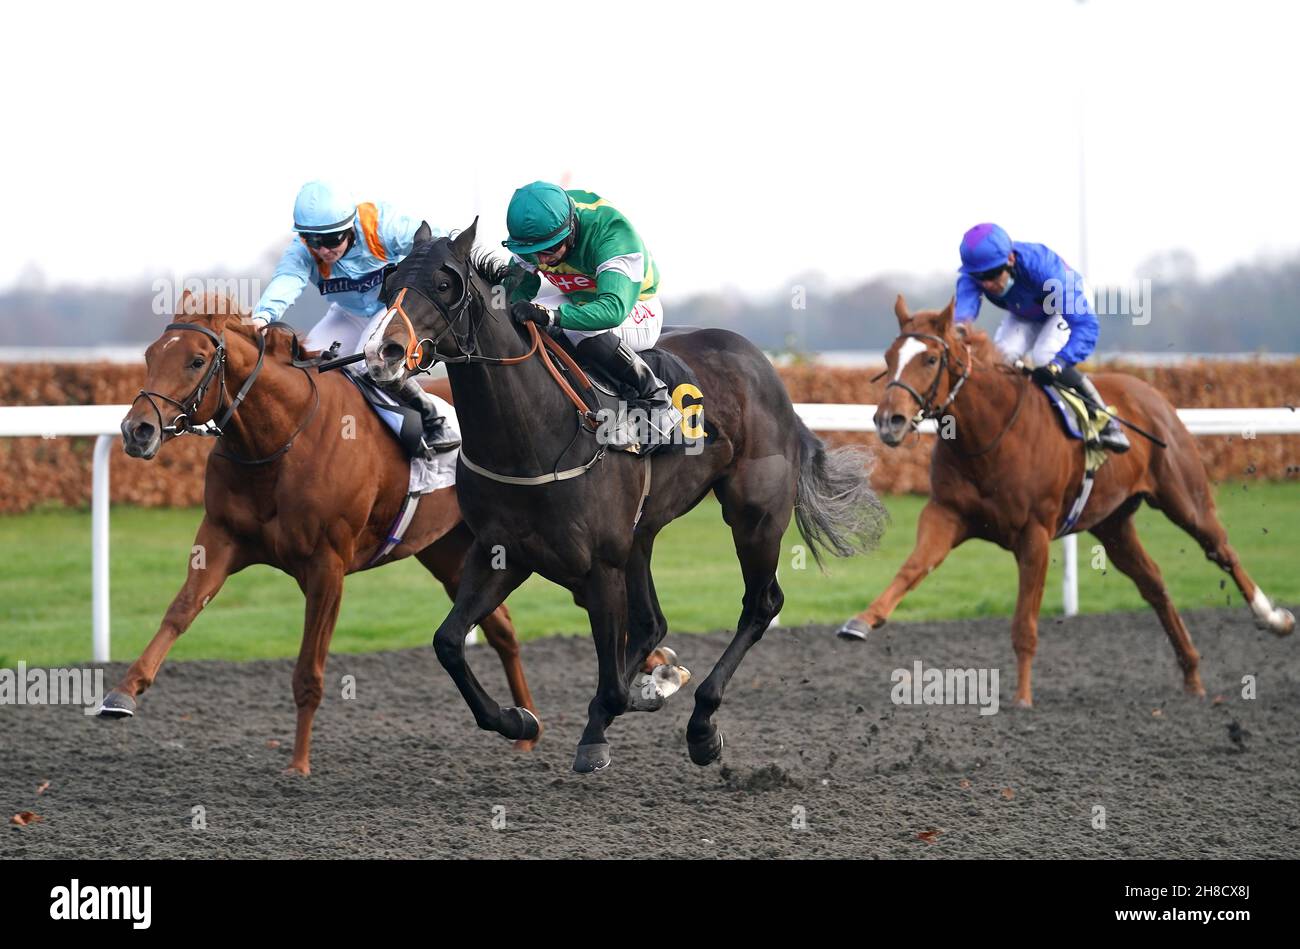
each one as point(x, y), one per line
point(1070, 576)
point(99, 546)
point(1070, 544)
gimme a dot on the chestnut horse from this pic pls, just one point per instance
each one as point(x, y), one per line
point(305, 477)
point(1010, 475)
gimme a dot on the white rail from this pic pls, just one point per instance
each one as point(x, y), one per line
point(103, 422)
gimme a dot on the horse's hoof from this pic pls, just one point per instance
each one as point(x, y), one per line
point(1023, 703)
point(591, 758)
point(525, 745)
point(117, 705)
point(1286, 625)
point(644, 695)
point(520, 724)
point(854, 630)
point(298, 771)
point(706, 752)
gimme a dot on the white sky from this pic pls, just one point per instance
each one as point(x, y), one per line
point(747, 142)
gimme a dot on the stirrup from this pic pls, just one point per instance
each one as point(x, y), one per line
point(434, 439)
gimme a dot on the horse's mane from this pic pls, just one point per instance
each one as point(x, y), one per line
point(209, 306)
point(492, 269)
point(981, 347)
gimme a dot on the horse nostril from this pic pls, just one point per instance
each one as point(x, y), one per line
point(897, 421)
point(142, 432)
point(391, 352)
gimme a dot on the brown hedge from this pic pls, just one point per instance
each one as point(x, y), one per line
point(35, 471)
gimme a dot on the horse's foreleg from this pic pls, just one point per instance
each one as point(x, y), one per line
point(646, 630)
point(444, 559)
point(323, 588)
point(1127, 554)
point(482, 589)
point(938, 531)
point(606, 595)
point(1032, 554)
point(213, 558)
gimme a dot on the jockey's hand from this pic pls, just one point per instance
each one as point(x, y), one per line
point(1046, 375)
point(260, 323)
point(522, 313)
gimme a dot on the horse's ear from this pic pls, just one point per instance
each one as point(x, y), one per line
point(900, 311)
point(185, 304)
point(423, 234)
point(464, 242)
point(944, 320)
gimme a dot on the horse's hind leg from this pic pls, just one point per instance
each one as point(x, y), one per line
point(443, 559)
point(482, 589)
point(757, 525)
point(1119, 536)
point(1193, 510)
point(213, 558)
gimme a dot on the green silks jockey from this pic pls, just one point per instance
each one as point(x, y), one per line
point(581, 268)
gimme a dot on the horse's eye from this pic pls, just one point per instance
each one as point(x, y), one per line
point(933, 360)
point(444, 286)
point(196, 362)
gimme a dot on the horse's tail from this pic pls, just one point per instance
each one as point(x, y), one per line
point(835, 508)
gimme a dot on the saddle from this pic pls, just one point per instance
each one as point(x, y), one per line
point(402, 420)
point(610, 398)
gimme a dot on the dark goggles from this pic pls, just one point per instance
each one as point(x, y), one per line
point(986, 275)
point(330, 241)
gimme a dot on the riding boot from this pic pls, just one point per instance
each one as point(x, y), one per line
point(626, 366)
point(1111, 436)
point(437, 437)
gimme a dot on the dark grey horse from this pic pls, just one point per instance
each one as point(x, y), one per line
point(592, 530)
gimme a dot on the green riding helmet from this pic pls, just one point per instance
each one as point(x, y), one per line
point(540, 215)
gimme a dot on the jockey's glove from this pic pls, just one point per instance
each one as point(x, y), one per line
point(522, 313)
point(1046, 375)
point(260, 323)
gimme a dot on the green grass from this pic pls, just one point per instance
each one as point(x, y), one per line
point(45, 582)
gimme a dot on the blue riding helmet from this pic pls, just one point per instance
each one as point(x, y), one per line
point(984, 247)
point(322, 209)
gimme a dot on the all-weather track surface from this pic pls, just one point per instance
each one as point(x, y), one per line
point(819, 762)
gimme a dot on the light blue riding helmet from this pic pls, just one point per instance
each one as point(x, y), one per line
point(320, 208)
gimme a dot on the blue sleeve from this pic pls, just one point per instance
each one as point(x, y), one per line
point(397, 231)
point(969, 298)
point(291, 275)
point(1067, 297)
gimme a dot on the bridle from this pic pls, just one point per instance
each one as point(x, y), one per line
point(463, 310)
point(467, 313)
point(927, 410)
point(183, 422)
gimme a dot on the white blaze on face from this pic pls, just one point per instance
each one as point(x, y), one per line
point(378, 369)
point(174, 339)
point(909, 350)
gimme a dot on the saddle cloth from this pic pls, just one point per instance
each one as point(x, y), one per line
point(683, 385)
point(1079, 423)
point(406, 426)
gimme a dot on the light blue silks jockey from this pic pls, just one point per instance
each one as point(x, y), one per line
point(346, 249)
